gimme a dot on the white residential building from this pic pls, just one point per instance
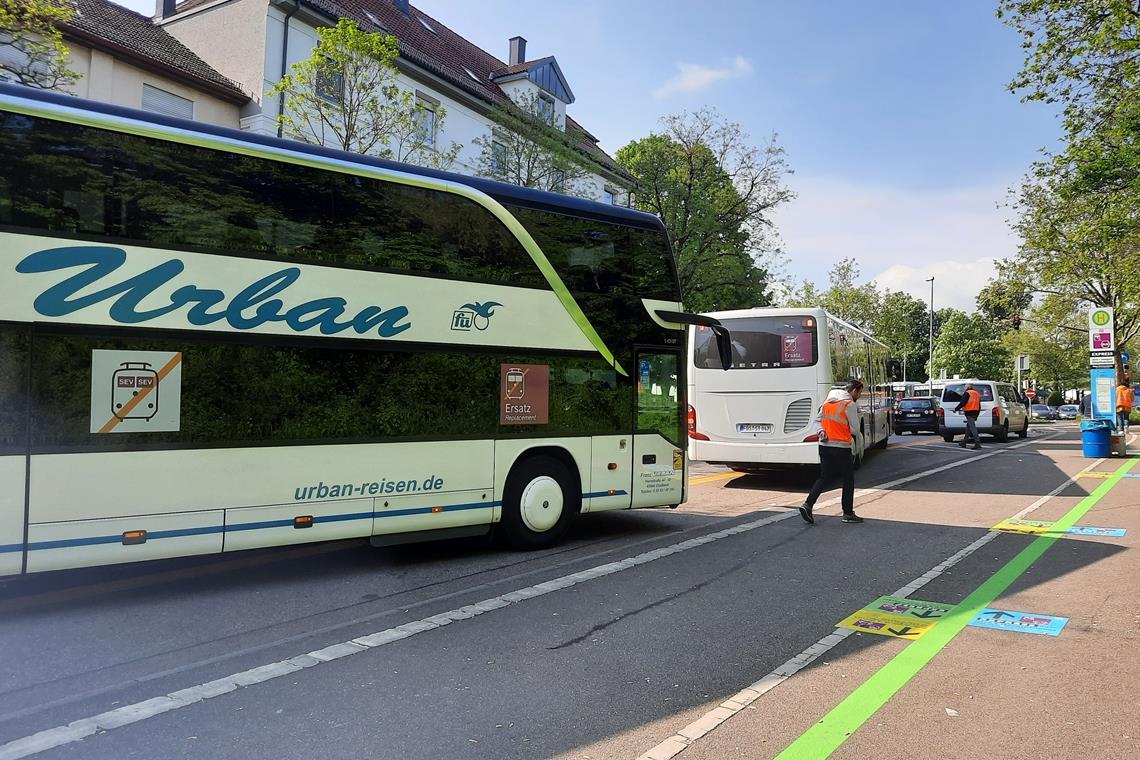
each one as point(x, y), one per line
point(254, 42)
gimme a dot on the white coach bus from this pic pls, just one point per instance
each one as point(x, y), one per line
point(212, 341)
point(784, 363)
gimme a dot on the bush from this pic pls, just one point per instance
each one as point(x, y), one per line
point(1055, 399)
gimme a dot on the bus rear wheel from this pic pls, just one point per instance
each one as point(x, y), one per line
point(539, 503)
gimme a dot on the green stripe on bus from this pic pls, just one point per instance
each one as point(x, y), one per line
point(141, 129)
point(848, 716)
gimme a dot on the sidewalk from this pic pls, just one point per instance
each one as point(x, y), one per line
point(990, 693)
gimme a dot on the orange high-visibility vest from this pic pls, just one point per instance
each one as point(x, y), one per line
point(1124, 397)
point(834, 421)
point(973, 401)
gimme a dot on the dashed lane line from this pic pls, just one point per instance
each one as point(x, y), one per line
point(140, 711)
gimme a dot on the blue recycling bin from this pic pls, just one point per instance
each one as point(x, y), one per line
point(1096, 438)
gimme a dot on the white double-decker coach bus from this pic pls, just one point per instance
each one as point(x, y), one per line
point(784, 363)
point(212, 341)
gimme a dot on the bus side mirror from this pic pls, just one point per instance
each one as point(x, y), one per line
point(723, 345)
point(894, 371)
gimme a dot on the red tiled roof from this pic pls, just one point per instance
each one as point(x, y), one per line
point(104, 24)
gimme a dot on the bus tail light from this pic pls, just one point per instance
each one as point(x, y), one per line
point(813, 438)
point(691, 422)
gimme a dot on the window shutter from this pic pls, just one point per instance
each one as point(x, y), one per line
point(166, 103)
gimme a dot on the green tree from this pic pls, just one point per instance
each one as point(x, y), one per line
point(844, 297)
point(967, 346)
point(528, 147)
point(1076, 215)
point(1002, 300)
point(715, 191)
point(345, 95)
point(32, 50)
point(902, 322)
point(1081, 54)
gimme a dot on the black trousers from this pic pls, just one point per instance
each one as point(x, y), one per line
point(835, 464)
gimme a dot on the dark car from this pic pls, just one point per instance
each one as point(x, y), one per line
point(1045, 412)
point(916, 415)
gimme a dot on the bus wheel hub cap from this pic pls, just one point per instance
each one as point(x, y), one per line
point(541, 504)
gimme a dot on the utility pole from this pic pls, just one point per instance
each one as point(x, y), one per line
point(931, 372)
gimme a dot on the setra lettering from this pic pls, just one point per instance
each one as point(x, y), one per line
point(253, 306)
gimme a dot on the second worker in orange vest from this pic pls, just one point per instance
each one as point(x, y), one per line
point(837, 423)
point(970, 406)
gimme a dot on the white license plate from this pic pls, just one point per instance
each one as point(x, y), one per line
point(754, 427)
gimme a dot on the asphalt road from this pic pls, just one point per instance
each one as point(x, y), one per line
point(603, 647)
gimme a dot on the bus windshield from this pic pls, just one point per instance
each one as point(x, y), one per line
point(761, 343)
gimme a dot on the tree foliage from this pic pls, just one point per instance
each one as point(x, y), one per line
point(528, 147)
point(968, 346)
point(1081, 54)
point(32, 50)
point(345, 95)
point(715, 191)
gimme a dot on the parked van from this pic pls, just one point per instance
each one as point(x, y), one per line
point(1002, 410)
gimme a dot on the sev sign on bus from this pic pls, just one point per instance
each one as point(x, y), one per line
point(524, 394)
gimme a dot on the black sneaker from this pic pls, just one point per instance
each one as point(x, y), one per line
point(962, 445)
point(852, 518)
point(977, 448)
point(805, 512)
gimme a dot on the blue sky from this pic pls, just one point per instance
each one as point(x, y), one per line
point(894, 113)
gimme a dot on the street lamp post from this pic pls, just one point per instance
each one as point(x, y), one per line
point(930, 373)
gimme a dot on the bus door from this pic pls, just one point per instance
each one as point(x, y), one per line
point(658, 451)
point(15, 406)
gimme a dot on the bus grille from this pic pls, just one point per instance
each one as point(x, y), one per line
point(798, 416)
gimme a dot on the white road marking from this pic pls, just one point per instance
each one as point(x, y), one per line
point(139, 711)
point(684, 738)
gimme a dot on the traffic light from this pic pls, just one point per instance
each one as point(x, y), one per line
point(1017, 323)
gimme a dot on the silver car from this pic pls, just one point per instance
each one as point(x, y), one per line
point(1069, 411)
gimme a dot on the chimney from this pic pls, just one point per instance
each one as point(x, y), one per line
point(164, 8)
point(518, 50)
point(403, 6)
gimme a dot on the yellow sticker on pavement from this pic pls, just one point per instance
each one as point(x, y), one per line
point(886, 624)
point(1101, 475)
point(1024, 527)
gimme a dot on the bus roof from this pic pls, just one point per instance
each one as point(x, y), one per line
point(785, 311)
point(170, 127)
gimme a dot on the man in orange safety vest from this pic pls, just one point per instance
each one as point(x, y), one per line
point(970, 406)
point(837, 423)
point(1124, 398)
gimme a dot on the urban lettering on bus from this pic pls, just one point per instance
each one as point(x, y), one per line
point(101, 261)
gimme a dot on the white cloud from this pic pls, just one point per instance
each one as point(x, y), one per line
point(694, 77)
point(899, 237)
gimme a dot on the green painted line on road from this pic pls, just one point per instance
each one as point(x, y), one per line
point(848, 716)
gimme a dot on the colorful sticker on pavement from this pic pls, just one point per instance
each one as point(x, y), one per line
point(1101, 475)
point(1022, 622)
point(894, 605)
point(1027, 527)
point(1088, 530)
point(886, 624)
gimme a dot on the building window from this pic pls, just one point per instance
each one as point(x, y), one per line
point(608, 196)
point(425, 115)
point(330, 85)
point(498, 157)
point(546, 108)
point(166, 103)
